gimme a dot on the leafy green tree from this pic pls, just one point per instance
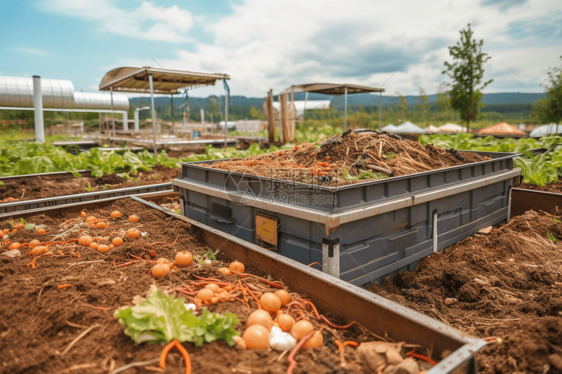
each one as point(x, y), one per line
point(467, 72)
point(443, 101)
point(422, 106)
point(549, 108)
point(255, 113)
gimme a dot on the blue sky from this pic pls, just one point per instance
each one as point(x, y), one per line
point(264, 44)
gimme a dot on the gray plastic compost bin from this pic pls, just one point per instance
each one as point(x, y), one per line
point(359, 232)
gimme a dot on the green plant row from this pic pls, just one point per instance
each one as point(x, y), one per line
point(31, 158)
point(231, 152)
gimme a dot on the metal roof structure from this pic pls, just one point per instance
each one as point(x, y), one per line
point(166, 81)
point(331, 88)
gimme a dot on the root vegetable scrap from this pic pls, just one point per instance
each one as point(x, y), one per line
point(115, 214)
point(41, 231)
point(133, 218)
point(201, 304)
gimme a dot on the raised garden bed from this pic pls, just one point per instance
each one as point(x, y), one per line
point(58, 313)
point(43, 186)
point(504, 286)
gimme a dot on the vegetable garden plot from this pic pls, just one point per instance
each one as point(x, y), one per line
point(36, 188)
point(59, 306)
point(505, 286)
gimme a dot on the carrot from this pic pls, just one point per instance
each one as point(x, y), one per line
point(335, 326)
point(272, 284)
point(185, 355)
point(339, 344)
point(296, 146)
point(421, 357)
point(314, 263)
point(183, 351)
point(293, 363)
point(63, 286)
point(313, 153)
point(351, 343)
point(321, 164)
point(328, 158)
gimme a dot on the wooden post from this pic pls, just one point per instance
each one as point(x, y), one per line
point(270, 116)
point(283, 99)
point(292, 117)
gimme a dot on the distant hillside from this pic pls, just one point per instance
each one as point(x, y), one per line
point(337, 101)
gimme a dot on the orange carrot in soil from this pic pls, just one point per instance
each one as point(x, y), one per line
point(293, 363)
point(63, 286)
point(421, 357)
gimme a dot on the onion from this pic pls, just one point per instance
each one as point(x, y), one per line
point(260, 317)
point(285, 321)
point(162, 261)
point(85, 241)
point(213, 287)
point(91, 219)
point(83, 213)
point(301, 328)
point(207, 262)
point(14, 246)
point(102, 248)
point(6, 231)
point(36, 251)
point(237, 267)
point(133, 233)
point(205, 294)
point(160, 270)
point(284, 296)
point(34, 243)
point(41, 231)
point(225, 271)
point(94, 246)
point(101, 225)
point(111, 246)
point(19, 226)
point(117, 241)
point(315, 342)
point(256, 337)
point(133, 218)
point(270, 302)
point(183, 259)
point(239, 341)
point(115, 214)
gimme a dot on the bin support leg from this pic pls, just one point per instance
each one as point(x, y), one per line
point(331, 257)
point(435, 237)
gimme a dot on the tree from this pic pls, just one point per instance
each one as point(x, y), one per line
point(467, 72)
point(443, 101)
point(422, 106)
point(549, 108)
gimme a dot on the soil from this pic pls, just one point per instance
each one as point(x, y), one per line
point(551, 187)
point(506, 284)
point(380, 154)
point(38, 321)
point(35, 188)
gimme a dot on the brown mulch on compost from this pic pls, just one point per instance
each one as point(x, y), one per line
point(505, 284)
point(551, 187)
point(39, 321)
point(35, 188)
point(336, 163)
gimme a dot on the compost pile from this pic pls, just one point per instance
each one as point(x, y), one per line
point(349, 158)
point(60, 302)
point(505, 286)
point(36, 188)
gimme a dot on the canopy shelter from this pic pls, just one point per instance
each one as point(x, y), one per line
point(501, 128)
point(160, 81)
point(335, 89)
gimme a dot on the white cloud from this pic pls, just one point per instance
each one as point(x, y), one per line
point(147, 22)
point(33, 51)
point(264, 44)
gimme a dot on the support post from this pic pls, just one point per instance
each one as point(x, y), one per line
point(304, 110)
point(225, 116)
point(136, 119)
point(345, 111)
point(284, 123)
point(38, 109)
point(270, 116)
point(202, 115)
point(112, 114)
point(125, 121)
point(153, 112)
point(100, 123)
point(380, 111)
point(172, 107)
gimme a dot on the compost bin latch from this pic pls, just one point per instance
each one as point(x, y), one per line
point(331, 257)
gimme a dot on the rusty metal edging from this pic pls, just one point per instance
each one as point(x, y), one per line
point(460, 357)
point(523, 199)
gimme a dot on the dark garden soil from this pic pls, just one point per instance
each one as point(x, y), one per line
point(349, 158)
point(39, 321)
point(35, 188)
point(505, 284)
point(551, 187)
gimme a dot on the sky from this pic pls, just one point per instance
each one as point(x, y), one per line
point(266, 44)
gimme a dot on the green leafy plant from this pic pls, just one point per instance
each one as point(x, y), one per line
point(162, 318)
point(538, 169)
point(177, 211)
point(552, 238)
point(89, 188)
point(555, 220)
point(391, 155)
